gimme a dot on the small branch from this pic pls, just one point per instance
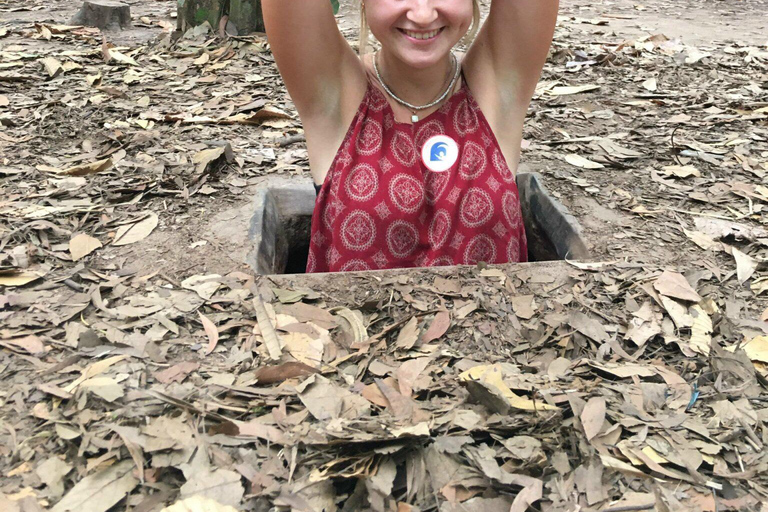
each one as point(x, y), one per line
point(631, 508)
point(291, 139)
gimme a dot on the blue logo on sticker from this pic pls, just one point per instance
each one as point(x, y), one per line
point(439, 152)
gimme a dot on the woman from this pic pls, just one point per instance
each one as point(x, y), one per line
point(413, 149)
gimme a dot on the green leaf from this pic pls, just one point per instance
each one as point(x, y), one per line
point(335, 4)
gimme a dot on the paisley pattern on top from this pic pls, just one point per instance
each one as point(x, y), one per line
point(381, 208)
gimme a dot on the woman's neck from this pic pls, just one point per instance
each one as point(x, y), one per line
point(418, 86)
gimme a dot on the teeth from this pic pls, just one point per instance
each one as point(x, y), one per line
point(422, 35)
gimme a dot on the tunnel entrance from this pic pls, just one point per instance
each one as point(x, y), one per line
point(280, 227)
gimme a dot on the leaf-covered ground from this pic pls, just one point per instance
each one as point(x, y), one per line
point(143, 365)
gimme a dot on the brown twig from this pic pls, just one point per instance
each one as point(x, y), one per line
point(730, 437)
point(291, 139)
point(168, 278)
point(674, 146)
point(70, 283)
point(630, 508)
point(751, 436)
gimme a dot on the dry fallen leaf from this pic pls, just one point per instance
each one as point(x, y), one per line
point(220, 485)
point(261, 431)
point(673, 284)
point(177, 372)
point(99, 491)
point(491, 376)
point(593, 416)
point(94, 80)
point(409, 372)
point(82, 245)
point(584, 163)
point(703, 240)
point(267, 328)
point(321, 397)
point(701, 331)
point(650, 85)
point(745, 265)
point(113, 54)
point(269, 113)
point(437, 328)
point(677, 312)
point(408, 335)
point(12, 278)
point(681, 171)
point(352, 326)
point(210, 332)
point(211, 157)
point(198, 503)
point(204, 285)
point(757, 349)
point(202, 60)
point(304, 348)
point(532, 492)
point(625, 370)
point(523, 306)
point(132, 76)
point(104, 387)
point(576, 89)
point(52, 66)
point(588, 326)
point(621, 466)
point(132, 233)
point(52, 471)
point(273, 374)
point(87, 169)
point(31, 344)
point(93, 370)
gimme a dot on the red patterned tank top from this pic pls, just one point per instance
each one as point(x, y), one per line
point(381, 206)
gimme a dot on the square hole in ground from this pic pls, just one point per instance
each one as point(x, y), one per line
point(281, 225)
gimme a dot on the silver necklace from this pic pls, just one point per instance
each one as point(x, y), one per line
point(415, 108)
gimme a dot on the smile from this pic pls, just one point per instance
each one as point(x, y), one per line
point(422, 36)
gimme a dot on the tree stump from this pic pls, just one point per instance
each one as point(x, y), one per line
point(192, 13)
point(243, 14)
point(104, 14)
point(246, 15)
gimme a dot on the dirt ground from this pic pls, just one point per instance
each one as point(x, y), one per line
point(132, 331)
point(222, 219)
point(698, 22)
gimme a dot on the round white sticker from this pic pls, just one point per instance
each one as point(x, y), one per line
point(440, 153)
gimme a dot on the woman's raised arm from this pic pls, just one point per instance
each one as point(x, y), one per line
point(514, 43)
point(313, 57)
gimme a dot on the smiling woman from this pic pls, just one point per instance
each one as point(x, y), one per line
point(414, 148)
point(364, 28)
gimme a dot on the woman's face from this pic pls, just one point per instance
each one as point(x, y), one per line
point(419, 32)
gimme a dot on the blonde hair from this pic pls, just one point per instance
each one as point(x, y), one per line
point(467, 40)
